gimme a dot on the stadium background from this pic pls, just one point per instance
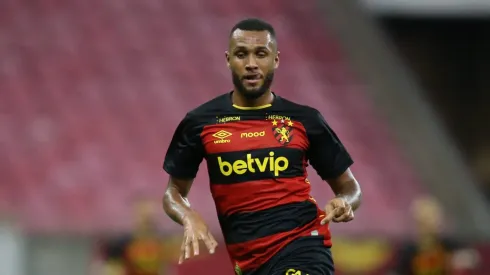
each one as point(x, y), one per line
point(91, 91)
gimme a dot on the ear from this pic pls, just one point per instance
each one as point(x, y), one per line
point(227, 56)
point(276, 60)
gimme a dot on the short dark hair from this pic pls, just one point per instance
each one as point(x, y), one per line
point(254, 24)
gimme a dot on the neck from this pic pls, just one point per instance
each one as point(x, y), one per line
point(242, 101)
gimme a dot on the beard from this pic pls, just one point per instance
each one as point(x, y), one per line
point(255, 92)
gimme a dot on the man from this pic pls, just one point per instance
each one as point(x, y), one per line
point(141, 253)
point(431, 252)
point(257, 146)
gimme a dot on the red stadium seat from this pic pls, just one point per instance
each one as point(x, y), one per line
point(92, 91)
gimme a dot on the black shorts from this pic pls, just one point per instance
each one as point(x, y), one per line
point(304, 256)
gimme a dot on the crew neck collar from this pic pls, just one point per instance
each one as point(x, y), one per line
point(243, 108)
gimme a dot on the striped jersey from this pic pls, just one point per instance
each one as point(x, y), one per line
point(257, 159)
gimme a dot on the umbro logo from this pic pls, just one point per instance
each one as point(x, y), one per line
point(221, 137)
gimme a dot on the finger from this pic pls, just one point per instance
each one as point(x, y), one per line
point(340, 212)
point(329, 216)
point(214, 243)
point(342, 218)
point(329, 209)
point(351, 216)
point(182, 250)
point(209, 241)
point(188, 247)
point(348, 216)
point(181, 258)
point(195, 243)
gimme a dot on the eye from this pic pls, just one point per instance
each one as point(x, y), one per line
point(262, 54)
point(240, 55)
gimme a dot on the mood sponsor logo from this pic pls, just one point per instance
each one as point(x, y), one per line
point(253, 165)
point(252, 134)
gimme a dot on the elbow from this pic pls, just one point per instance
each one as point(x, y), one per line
point(359, 200)
point(167, 200)
point(173, 197)
point(358, 197)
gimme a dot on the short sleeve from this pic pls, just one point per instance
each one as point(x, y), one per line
point(326, 153)
point(185, 152)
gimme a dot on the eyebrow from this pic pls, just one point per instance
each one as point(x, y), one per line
point(256, 48)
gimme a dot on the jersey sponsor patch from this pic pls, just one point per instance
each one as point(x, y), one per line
point(267, 163)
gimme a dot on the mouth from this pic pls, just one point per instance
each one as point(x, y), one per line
point(252, 78)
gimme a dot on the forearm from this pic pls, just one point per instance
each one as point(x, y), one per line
point(351, 192)
point(176, 205)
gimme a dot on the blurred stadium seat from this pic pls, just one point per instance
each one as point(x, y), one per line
point(91, 92)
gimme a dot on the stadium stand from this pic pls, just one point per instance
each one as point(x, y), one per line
point(91, 92)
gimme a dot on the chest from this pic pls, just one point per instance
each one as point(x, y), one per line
point(254, 134)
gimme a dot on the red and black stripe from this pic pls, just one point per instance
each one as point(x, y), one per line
point(253, 253)
point(259, 195)
point(247, 226)
point(260, 188)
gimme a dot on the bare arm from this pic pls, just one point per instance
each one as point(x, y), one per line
point(184, 155)
point(178, 208)
point(347, 198)
point(346, 187)
point(175, 202)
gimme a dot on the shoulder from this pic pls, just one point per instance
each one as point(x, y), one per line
point(298, 110)
point(310, 117)
point(206, 112)
point(215, 105)
point(297, 107)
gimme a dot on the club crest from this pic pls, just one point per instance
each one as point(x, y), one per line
point(282, 130)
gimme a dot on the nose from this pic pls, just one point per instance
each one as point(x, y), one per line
point(251, 64)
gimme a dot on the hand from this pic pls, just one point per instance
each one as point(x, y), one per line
point(195, 229)
point(338, 210)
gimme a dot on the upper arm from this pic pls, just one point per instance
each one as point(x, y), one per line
point(185, 152)
point(326, 153)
